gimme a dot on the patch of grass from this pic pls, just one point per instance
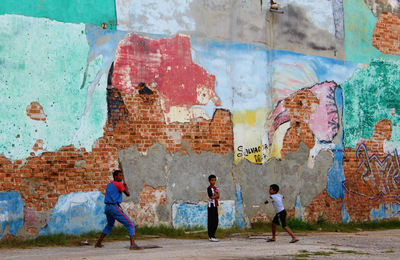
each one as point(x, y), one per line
point(299, 225)
point(260, 227)
point(300, 256)
point(322, 253)
point(388, 251)
point(351, 252)
point(163, 231)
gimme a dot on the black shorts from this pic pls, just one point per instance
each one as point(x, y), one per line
point(280, 216)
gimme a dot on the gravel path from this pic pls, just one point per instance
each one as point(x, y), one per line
point(361, 245)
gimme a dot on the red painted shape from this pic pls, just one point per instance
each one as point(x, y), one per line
point(165, 61)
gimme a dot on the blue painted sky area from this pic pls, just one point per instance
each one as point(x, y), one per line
point(246, 73)
point(77, 213)
point(11, 213)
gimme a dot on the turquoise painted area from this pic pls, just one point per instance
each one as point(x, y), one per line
point(11, 213)
point(359, 25)
point(369, 96)
point(345, 215)
point(241, 219)
point(385, 211)
point(336, 173)
point(71, 11)
point(186, 214)
point(77, 213)
point(44, 61)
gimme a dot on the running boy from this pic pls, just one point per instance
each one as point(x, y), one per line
point(276, 200)
point(212, 208)
point(113, 210)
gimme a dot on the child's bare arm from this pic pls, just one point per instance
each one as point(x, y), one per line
point(126, 191)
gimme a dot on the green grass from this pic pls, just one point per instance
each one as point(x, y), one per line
point(119, 233)
point(388, 251)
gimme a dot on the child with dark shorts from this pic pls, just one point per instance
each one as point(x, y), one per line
point(276, 200)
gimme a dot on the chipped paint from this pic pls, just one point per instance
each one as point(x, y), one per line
point(186, 214)
point(56, 85)
point(140, 59)
point(77, 213)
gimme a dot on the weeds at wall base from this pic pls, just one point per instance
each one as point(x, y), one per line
point(120, 234)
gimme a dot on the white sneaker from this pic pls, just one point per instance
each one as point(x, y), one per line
point(213, 239)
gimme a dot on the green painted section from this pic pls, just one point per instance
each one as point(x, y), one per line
point(72, 11)
point(45, 61)
point(359, 25)
point(369, 96)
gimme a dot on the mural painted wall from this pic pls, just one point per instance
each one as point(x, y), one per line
point(176, 90)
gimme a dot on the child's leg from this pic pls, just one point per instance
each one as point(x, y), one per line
point(216, 221)
point(275, 221)
point(290, 232)
point(273, 231)
point(282, 217)
point(212, 222)
point(107, 229)
point(124, 220)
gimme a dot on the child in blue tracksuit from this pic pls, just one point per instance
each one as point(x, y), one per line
point(113, 210)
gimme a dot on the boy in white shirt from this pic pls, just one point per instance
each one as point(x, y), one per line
point(276, 200)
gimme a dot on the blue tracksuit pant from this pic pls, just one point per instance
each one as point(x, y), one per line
point(114, 212)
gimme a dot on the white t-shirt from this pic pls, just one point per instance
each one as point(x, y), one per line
point(276, 200)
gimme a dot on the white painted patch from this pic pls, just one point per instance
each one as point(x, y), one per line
point(320, 12)
point(394, 3)
point(174, 135)
point(65, 202)
point(154, 16)
point(391, 146)
point(315, 151)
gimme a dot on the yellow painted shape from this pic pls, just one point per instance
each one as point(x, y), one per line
point(277, 140)
point(249, 117)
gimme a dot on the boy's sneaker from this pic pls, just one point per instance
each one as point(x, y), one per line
point(213, 239)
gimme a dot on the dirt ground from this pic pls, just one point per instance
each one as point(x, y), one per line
point(361, 245)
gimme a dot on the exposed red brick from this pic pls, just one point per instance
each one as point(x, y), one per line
point(132, 120)
point(300, 107)
point(386, 36)
point(35, 111)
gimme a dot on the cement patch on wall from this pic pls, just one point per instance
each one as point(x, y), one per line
point(291, 174)
point(184, 175)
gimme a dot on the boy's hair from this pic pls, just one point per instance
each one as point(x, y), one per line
point(116, 172)
point(211, 177)
point(275, 187)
